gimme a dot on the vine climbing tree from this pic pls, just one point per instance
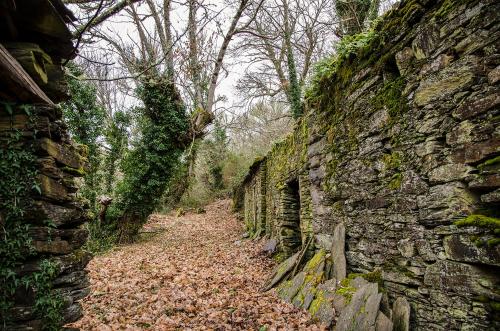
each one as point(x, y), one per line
point(151, 163)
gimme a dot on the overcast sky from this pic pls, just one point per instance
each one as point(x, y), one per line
point(121, 26)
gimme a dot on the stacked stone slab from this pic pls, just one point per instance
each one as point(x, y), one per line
point(34, 42)
point(55, 216)
point(401, 145)
point(354, 302)
point(254, 188)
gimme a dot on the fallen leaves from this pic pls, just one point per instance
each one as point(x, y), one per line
point(192, 273)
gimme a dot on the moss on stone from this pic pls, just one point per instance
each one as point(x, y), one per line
point(373, 277)
point(493, 242)
point(391, 97)
point(392, 161)
point(485, 222)
point(396, 180)
point(495, 306)
point(317, 302)
point(74, 171)
point(284, 287)
point(495, 160)
point(445, 9)
point(480, 221)
point(490, 164)
point(279, 257)
point(346, 291)
point(313, 263)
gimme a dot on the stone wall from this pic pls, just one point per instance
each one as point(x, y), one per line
point(42, 262)
point(401, 145)
point(54, 217)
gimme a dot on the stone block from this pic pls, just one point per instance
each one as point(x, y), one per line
point(70, 213)
point(475, 152)
point(53, 189)
point(404, 59)
point(383, 323)
point(486, 182)
point(462, 248)
point(449, 173)
point(401, 314)
point(338, 253)
point(476, 106)
point(491, 196)
point(442, 61)
point(446, 196)
point(361, 313)
point(463, 278)
point(457, 76)
point(57, 241)
point(65, 154)
point(406, 247)
point(324, 241)
point(426, 41)
point(494, 76)
point(425, 250)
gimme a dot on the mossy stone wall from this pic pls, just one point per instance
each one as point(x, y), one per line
point(53, 217)
point(400, 143)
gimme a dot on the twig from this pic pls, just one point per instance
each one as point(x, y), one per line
point(85, 29)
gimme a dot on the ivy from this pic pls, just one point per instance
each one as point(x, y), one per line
point(18, 185)
point(150, 164)
point(215, 156)
point(85, 119)
point(117, 139)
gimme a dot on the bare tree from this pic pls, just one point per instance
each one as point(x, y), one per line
point(284, 41)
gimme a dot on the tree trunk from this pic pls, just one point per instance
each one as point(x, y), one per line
point(104, 202)
point(294, 88)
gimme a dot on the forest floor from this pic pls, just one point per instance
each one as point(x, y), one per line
point(188, 273)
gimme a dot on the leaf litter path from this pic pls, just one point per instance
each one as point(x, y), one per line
point(194, 273)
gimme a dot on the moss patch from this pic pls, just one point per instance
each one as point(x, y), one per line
point(391, 97)
point(315, 261)
point(346, 291)
point(481, 221)
point(372, 277)
point(317, 302)
point(396, 180)
point(74, 171)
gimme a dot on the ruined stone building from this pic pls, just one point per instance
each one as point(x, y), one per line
point(39, 214)
point(385, 199)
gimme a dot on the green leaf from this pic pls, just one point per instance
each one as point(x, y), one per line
point(37, 188)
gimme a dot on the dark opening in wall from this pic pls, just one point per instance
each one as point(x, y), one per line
point(291, 238)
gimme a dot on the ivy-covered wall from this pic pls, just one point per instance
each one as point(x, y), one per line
point(400, 144)
point(42, 263)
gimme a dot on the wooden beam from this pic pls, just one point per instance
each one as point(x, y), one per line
point(20, 87)
point(48, 75)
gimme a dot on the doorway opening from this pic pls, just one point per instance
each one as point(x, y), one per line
point(291, 237)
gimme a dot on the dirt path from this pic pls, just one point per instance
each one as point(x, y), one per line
point(194, 274)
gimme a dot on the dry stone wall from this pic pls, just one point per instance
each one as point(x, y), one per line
point(42, 263)
point(54, 217)
point(401, 145)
